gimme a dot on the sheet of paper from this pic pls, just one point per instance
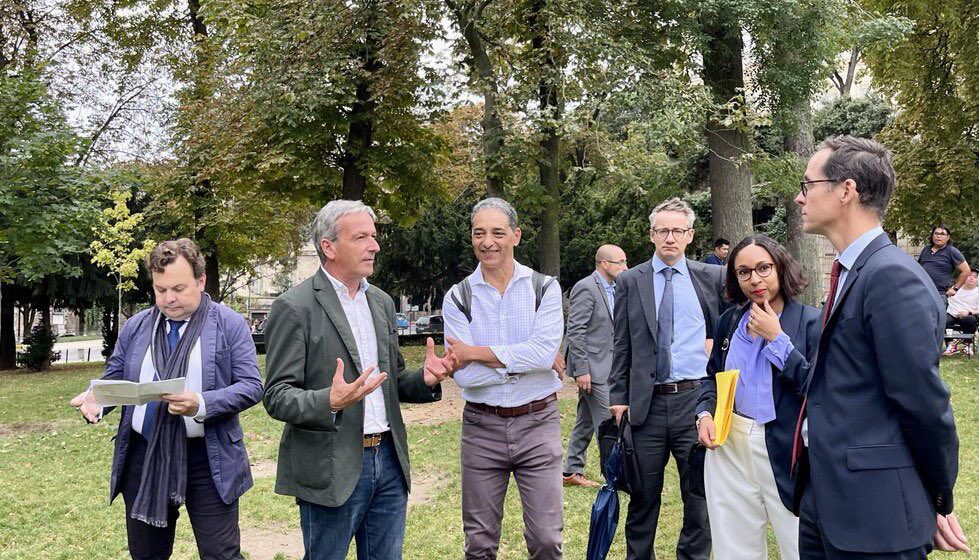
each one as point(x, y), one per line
point(118, 393)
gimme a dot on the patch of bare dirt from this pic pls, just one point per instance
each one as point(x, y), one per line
point(424, 484)
point(25, 428)
point(264, 543)
point(263, 469)
point(451, 405)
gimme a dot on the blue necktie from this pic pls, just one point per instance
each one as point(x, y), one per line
point(664, 333)
point(173, 337)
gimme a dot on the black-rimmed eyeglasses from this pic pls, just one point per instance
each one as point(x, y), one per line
point(804, 185)
point(764, 270)
point(620, 263)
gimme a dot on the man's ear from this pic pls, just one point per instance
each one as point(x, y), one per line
point(516, 234)
point(329, 251)
point(849, 192)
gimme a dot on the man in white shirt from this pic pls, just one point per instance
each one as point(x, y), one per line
point(331, 342)
point(962, 312)
point(504, 324)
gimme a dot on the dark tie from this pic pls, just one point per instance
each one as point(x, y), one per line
point(149, 419)
point(834, 281)
point(664, 332)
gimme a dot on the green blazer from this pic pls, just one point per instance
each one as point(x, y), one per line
point(320, 456)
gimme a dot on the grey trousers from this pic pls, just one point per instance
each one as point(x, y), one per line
point(528, 446)
point(592, 411)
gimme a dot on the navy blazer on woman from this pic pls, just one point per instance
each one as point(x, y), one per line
point(883, 450)
point(801, 323)
point(231, 383)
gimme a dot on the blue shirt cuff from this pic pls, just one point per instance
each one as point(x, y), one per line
point(777, 351)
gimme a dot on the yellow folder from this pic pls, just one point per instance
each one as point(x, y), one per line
point(727, 383)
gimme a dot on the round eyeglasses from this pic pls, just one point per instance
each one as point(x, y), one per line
point(764, 270)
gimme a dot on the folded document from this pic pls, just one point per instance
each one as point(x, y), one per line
point(117, 393)
point(727, 383)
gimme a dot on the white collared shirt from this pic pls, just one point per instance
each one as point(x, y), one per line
point(524, 341)
point(361, 322)
point(193, 382)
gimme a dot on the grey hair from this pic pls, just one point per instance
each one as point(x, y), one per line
point(867, 163)
point(494, 203)
point(325, 224)
point(673, 205)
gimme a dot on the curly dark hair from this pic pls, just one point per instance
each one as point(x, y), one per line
point(164, 254)
point(792, 281)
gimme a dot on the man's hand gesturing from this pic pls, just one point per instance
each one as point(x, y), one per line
point(437, 369)
point(343, 394)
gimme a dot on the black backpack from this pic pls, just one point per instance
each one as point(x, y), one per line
point(462, 293)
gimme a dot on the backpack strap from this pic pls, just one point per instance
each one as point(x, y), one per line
point(462, 297)
point(541, 282)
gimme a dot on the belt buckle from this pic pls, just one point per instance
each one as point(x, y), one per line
point(373, 440)
point(674, 388)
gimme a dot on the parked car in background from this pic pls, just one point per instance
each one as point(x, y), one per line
point(402, 321)
point(429, 324)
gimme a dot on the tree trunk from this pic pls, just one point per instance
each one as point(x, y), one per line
point(468, 16)
point(360, 137)
point(730, 179)
point(549, 240)
point(212, 284)
point(803, 246)
point(110, 329)
point(8, 342)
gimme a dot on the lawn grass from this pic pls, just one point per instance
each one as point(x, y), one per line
point(54, 473)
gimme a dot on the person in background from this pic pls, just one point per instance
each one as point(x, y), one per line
point(962, 312)
point(589, 339)
point(771, 339)
point(719, 256)
point(941, 260)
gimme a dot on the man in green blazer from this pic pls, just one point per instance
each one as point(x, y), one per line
point(335, 376)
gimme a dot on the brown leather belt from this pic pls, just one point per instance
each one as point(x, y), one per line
point(511, 412)
point(678, 387)
point(373, 440)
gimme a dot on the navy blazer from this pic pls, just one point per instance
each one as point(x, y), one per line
point(633, 373)
point(883, 450)
point(801, 323)
point(231, 383)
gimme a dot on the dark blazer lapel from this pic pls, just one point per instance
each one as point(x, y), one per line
point(647, 295)
point(702, 287)
point(601, 292)
point(791, 321)
point(326, 295)
point(140, 345)
point(877, 244)
point(208, 346)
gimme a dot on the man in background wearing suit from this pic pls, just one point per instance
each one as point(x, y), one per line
point(331, 342)
point(189, 448)
point(589, 339)
point(876, 452)
point(665, 312)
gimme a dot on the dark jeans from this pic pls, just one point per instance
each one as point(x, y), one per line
point(966, 324)
point(814, 546)
point(669, 428)
point(215, 523)
point(374, 514)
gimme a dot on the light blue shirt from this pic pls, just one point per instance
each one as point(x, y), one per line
point(849, 256)
point(754, 357)
point(687, 354)
point(609, 293)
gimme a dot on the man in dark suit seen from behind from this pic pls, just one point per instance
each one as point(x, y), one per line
point(876, 450)
point(665, 312)
point(589, 349)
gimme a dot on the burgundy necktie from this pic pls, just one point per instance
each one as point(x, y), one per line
point(834, 281)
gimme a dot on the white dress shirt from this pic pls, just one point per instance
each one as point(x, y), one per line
point(193, 382)
point(361, 322)
point(524, 341)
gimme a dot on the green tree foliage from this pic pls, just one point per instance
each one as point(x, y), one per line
point(933, 75)
point(861, 116)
